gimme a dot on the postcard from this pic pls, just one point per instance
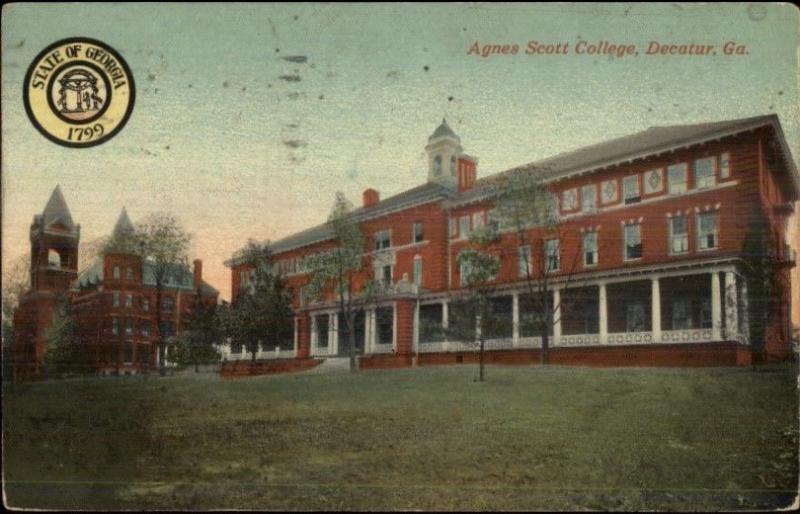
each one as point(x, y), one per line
point(400, 256)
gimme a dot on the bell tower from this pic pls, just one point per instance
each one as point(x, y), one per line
point(443, 149)
point(54, 246)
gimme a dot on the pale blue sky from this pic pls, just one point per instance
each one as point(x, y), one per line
point(212, 131)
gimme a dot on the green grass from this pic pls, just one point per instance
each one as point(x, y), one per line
point(432, 438)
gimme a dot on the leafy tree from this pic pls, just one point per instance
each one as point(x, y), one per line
point(339, 268)
point(479, 269)
point(262, 315)
point(198, 344)
point(163, 244)
point(66, 354)
point(764, 276)
point(528, 211)
point(15, 283)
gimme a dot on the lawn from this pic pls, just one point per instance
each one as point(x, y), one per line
point(433, 438)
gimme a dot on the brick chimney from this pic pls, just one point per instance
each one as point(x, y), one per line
point(371, 197)
point(198, 273)
point(466, 172)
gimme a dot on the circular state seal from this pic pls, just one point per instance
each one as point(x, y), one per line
point(79, 92)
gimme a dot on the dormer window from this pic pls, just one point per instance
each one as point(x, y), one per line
point(453, 166)
point(437, 166)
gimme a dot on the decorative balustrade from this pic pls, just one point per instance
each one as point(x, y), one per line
point(694, 335)
point(382, 348)
point(630, 338)
point(579, 340)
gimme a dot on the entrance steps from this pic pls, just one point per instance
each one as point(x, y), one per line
point(332, 365)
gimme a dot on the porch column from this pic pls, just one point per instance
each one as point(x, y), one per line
point(556, 316)
point(655, 310)
point(731, 307)
point(334, 333)
point(745, 330)
point(603, 314)
point(515, 320)
point(415, 333)
point(716, 308)
point(445, 317)
point(314, 337)
point(296, 341)
point(368, 331)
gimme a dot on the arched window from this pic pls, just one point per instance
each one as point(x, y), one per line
point(437, 166)
point(453, 166)
point(53, 259)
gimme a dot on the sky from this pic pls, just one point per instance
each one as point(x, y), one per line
point(249, 117)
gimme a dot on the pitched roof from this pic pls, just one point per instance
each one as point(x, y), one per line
point(414, 196)
point(182, 277)
point(622, 149)
point(443, 130)
point(57, 210)
point(123, 224)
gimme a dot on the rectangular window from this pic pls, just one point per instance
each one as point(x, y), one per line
point(115, 326)
point(453, 228)
point(678, 235)
point(129, 300)
point(116, 299)
point(463, 227)
point(630, 189)
point(635, 317)
point(524, 259)
point(725, 165)
point(676, 177)
point(590, 248)
point(115, 272)
point(707, 231)
point(383, 240)
point(588, 198)
point(704, 173)
point(418, 270)
point(477, 220)
point(384, 321)
point(129, 274)
point(419, 236)
point(386, 275)
point(128, 353)
point(145, 328)
point(633, 242)
point(681, 315)
point(145, 304)
point(128, 327)
point(464, 270)
point(552, 252)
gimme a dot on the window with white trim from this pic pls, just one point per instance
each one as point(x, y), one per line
point(463, 227)
point(463, 271)
point(129, 274)
point(633, 242)
point(725, 165)
point(419, 236)
point(524, 260)
point(437, 166)
point(115, 272)
point(453, 227)
point(552, 252)
point(676, 177)
point(477, 220)
point(383, 239)
point(128, 326)
point(589, 248)
point(704, 173)
point(678, 234)
point(115, 297)
point(129, 300)
point(707, 231)
point(115, 326)
point(418, 270)
point(630, 189)
point(588, 198)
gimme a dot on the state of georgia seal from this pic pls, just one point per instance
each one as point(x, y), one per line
point(79, 92)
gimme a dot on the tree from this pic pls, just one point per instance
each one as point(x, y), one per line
point(338, 269)
point(479, 270)
point(66, 354)
point(16, 281)
point(163, 245)
point(198, 344)
point(528, 211)
point(262, 315)
point(764, 277)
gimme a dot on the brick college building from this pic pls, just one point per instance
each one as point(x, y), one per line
point(112, 298)
point(652, 228)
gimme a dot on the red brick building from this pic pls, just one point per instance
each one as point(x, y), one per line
point(648, 264)
point(113, 298)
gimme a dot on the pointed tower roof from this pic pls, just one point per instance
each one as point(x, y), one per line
point(123, 224)
point(57, 210)
point(443, 130)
